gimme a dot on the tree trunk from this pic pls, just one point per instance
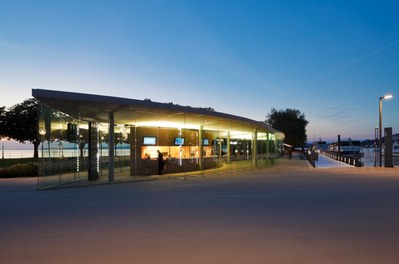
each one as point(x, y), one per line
point(81, 148)
point(36, 149)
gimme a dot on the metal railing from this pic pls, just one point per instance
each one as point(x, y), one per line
point(354, 160)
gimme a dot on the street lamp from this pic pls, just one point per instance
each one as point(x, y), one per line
point(375, 146)
point(388, 96)
point(2, 147)
point(101, 154)
point(42, 132)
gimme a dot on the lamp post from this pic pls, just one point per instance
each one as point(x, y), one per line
point(388, 96)
point(42, 132)
point(101, 154)
point(2, 147)
point(375, 146)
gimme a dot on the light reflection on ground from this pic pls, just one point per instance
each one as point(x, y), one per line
point(325, 162)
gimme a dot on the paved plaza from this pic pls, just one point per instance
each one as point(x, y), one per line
point(290, 213)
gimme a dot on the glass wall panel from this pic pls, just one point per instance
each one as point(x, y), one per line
point(228, 162)
point(262, 153)
point(144, 139)
point(121, 152)
point(180, 136)
point(194, 145)
point(63, 150)
point(150, 140)
point(224, 146)
point(102, 136)
point(212, 146)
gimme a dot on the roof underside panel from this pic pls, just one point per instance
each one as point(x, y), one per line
point(96, 108)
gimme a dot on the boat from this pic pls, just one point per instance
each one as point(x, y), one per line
point(320, 145)
point(347, 147)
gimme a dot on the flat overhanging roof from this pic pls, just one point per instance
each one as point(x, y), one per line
point(96, 108)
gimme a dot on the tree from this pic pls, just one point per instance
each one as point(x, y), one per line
point(20, 123)
point(2, 124)
point(290, 121)
point(82, 140)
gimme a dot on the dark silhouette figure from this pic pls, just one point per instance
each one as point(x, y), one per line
point(160, 163)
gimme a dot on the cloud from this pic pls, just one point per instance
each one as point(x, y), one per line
point(352, 62)
point(337, 115)
point(9, 45)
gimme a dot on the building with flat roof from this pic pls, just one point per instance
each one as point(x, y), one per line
point(86, 138)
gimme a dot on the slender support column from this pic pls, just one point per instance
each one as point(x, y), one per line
point(267, 146)
point(375, 145)
point(201, 148)
point(93, 150)
point(111, 165)
point(380, 130)
point(133, 151)
point(255, 148)
point(228, 146)
point(180, 149)
point(220, 142)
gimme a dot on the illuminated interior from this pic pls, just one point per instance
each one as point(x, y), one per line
point(98, 138)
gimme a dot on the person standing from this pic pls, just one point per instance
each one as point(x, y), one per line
point(160, 162)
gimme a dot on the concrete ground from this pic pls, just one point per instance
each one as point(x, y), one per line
point(290, 213)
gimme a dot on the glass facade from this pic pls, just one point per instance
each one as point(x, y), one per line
point(76, 151)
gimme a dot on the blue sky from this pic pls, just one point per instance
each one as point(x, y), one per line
point(331, 60)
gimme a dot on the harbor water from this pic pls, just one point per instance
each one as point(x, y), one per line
point(371, 158)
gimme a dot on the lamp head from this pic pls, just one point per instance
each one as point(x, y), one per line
point(42, 131)
point(388, 96)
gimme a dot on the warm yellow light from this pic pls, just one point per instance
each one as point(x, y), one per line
point(42, 131)
point(240, 135)
point(167, 124)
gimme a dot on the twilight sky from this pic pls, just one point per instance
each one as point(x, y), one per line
point(331, 60)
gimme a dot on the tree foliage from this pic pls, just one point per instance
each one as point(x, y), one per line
point(290, 121)
point(2, 119)
point(20, 122)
